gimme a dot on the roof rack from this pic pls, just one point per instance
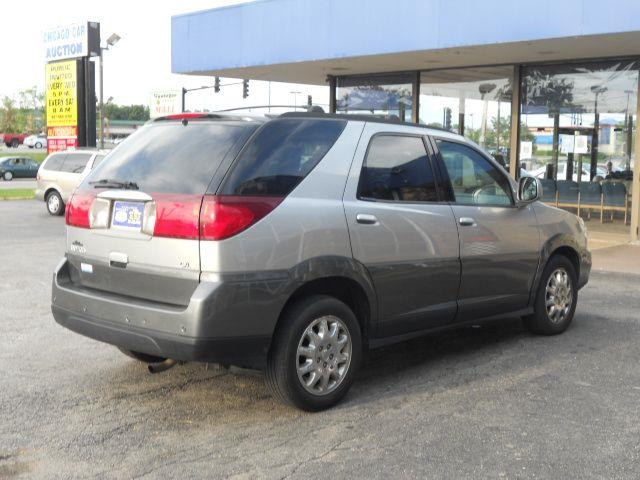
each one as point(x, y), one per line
point(360, 117)
point(186, 116)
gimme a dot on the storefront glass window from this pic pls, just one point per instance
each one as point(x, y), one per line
point(579, 120)
point(385, 95)
point(475, 102)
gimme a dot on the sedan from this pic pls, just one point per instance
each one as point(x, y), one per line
point(18, 167)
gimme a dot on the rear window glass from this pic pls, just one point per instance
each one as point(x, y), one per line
point(171, 157)
point(98, 160)
point(75, 162)
point(280, 155)
point(54, 162)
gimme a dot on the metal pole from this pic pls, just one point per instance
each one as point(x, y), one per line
point(184, 91)
point(635, 184)
point(514, 167)
point(269, 96)
point(101, 97)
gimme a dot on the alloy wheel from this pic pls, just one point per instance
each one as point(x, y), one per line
point(558, 296)
point(323, 356)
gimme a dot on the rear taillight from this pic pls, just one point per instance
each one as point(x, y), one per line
point(225, 216)
point(176, 216)
point(79, 208)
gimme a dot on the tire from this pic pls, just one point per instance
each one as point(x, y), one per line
point(15, 143)
point(555, 318)
point(8, 176)
point(38, 145)
point(55, 205)
point(141, 357)
point(306, 319)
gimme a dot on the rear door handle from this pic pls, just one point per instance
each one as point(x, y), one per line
point(466, 221)
point(366, 219)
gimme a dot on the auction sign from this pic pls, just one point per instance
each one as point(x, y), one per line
point(62, 105)
point(71, 41)
point(165, 102)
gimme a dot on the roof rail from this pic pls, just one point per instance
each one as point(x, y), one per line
point(185, 116)
point(360, 117)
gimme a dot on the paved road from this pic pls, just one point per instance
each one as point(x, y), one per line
point(490, 402)
point(18, 183)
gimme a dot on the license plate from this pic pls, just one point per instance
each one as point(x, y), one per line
point(127, 215)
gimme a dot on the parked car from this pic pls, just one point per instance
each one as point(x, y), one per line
point(61, 173)
point(17, 167)
point(36, 141)
point(294, 245)
point(562, 172)
point(13, 139)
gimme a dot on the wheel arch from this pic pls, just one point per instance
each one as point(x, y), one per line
point(561, 244)
point(339, 277)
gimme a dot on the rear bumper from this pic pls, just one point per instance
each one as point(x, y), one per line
point(207, 330)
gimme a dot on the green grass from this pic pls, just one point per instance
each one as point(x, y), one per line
point(17, 193)
point(37, 156)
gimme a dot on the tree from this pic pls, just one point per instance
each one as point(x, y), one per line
point(32, 108)
point(9, 123)
point(114, 111)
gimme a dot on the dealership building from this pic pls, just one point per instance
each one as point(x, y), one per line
point(550, 88)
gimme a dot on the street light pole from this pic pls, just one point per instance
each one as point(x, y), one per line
point(111, 41)
point(101, 68)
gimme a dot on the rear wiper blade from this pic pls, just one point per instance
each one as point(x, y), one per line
point(111, 183)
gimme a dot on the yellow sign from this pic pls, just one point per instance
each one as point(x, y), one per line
point(62, 94)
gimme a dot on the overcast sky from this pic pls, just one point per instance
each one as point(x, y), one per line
point(139, 63)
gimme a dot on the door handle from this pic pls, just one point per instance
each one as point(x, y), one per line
point(366, 219)
point(467, 222)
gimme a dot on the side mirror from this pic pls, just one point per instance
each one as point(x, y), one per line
point(529, 190)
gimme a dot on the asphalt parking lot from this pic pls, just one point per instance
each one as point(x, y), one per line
point(488, 402)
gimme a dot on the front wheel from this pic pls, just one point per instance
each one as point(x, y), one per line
point(556, 298)
point(315, 354)
point(8, 176)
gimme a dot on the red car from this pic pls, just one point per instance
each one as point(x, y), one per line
point(13, 139)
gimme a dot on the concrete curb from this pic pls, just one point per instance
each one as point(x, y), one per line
point(16, 198)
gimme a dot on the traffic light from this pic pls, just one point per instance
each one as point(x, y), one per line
point(447, 118)
point(216, 85)
point(245, 88)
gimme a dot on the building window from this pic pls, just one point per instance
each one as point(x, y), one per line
point(384, 95)
point(579, 120)
point(474, 102)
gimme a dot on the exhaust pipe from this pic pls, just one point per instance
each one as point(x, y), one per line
point(162, 366)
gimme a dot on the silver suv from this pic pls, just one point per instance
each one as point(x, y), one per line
point(295, 244)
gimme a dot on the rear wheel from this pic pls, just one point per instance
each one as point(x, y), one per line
point(315, 354)
point(38, 145)
point(141, 357)
point(8, 176)
point(55, 205)
point(556, 298)
point(15, 143)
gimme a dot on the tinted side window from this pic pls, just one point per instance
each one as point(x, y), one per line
point(474, 179)
point(54, 163)
point(75, 162)
point(397, 168)
point(280, 155)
